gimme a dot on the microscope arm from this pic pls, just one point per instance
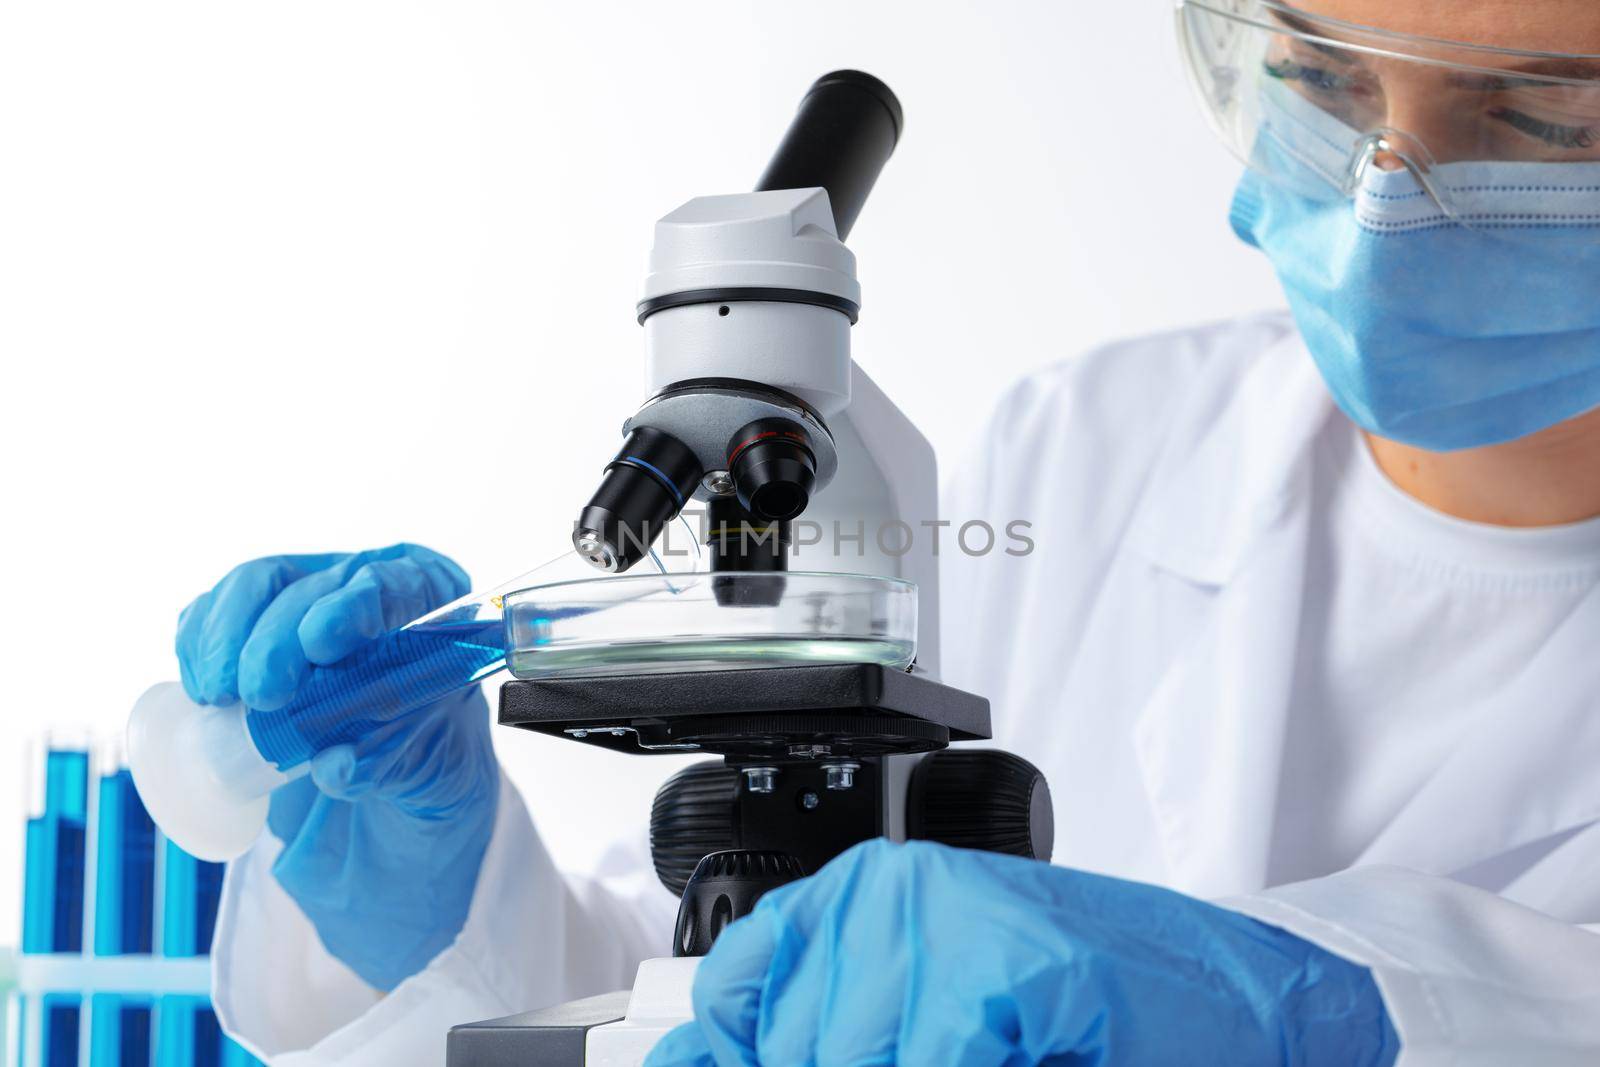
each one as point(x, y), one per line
point(887, 490)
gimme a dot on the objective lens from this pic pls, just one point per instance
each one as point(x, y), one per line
point(643, 490)
point(739, 543)
point(774, 469)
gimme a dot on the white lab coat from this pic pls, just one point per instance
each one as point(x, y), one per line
point(1142, 658)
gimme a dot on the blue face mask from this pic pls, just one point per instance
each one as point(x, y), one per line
point(1427, 331)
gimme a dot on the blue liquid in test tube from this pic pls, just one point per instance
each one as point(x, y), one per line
point(187, 1031)
point(61, 1029)
point(191, 891)
point(53, 887)
point(399, 672)
point(125, 854)
point(124, 916)
point(52, 900)
point(53, 891)
point(119, 1030)
point(188, 1035)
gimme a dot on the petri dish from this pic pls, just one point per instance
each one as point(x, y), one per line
point(664, 623)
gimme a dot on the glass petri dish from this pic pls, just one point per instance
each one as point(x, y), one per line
point(663, 623)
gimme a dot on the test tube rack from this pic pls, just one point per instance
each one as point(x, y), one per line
point(114, 968)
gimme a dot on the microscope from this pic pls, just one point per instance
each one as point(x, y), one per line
point(756, 410)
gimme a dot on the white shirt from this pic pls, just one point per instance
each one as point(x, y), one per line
point(1236, 660)
point(1410, 617)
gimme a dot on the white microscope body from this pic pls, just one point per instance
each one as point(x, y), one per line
point(877, 476)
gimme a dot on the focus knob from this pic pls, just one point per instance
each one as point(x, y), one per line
point(984, 799)
point(724, 887)
point(693, 814)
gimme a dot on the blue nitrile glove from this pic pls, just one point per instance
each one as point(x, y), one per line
point(383, 839)
point(922, 954)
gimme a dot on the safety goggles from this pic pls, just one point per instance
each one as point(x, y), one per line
point(1417, 130)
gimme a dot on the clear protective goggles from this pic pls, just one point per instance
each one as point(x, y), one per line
point(1337, 110)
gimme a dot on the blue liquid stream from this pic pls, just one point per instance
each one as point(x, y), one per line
point(398, 673)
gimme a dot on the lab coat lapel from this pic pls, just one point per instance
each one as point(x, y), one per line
point(1210, 741)
point(1231, 522)
point(1527, 768)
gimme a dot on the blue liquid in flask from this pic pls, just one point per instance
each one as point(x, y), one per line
point(399, 672)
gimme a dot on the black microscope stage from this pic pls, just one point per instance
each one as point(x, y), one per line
point(824, 710)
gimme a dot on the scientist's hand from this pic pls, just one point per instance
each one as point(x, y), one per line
point(383, 839)
point(922, 954)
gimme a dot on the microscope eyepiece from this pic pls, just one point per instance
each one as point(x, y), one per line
point(774, 468)
point(644, 489)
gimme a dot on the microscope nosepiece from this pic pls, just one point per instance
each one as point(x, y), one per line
point(774, 468)
point(644, 489)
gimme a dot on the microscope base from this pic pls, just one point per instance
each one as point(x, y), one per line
point(610, 1030)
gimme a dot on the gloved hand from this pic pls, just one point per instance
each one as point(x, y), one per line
point(384, 838)
point(922, 954)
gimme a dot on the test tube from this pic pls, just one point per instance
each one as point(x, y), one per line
point(125, 843)
point(205, 773)
point(191, 890)
point(188, 1035)
point(124, 908)
point(55, 838)
point(119, 1030)
point(187, 1032)
point(62, 1024)
point(54, 843)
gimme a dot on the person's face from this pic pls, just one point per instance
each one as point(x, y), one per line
point(1455, 114)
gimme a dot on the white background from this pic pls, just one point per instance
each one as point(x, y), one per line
point(299, 276)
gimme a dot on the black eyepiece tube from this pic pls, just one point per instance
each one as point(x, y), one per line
point(848, 125)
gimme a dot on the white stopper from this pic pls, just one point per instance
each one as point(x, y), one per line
point(199, 773)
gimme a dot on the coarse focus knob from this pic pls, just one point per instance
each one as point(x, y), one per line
point(693, 815)
point(984, 799)
point(724, 887)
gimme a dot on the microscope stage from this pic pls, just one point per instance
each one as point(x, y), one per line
point(825, 710)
